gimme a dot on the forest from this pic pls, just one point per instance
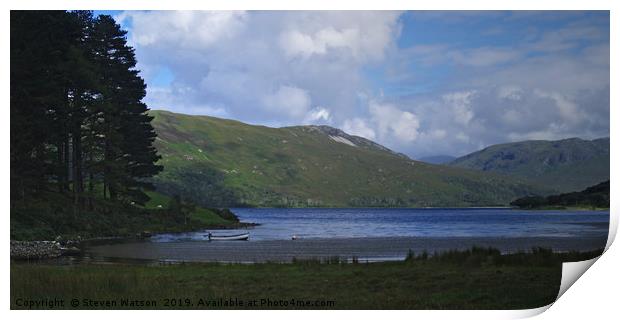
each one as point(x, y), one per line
point(82, 153)
point(79, 127)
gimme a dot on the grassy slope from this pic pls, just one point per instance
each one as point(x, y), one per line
point(481, 280)
point(223, 162)
point(565, 165)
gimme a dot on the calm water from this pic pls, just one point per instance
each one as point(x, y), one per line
point(282, 224)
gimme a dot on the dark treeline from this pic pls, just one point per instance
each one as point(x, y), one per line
point(596, 196)
point(78, 126)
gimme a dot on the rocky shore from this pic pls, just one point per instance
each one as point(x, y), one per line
point(35, 250)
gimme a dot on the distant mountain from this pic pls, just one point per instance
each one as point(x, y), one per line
point(440, 159)
point(592, 197)
point(564, 165)
point(218, 162)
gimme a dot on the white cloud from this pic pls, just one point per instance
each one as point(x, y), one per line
point(289, 100)
point(295, 43)
point(263, 66)
point(342, 68)
point(318, 114)
point(173, 96)
point(393, 122)
point(357, 35)
point(565, 38)
point(512, 117)
point(510, 92)
point(183, 29)
point(460, 105)
point(438, 134)
point(495, 115)
point(567, 109)
point(461, 136)
point(358, 127)
point(482, 57)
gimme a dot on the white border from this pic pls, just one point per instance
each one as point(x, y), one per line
point(593, 295)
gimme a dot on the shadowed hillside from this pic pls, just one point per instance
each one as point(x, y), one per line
point(563, 165)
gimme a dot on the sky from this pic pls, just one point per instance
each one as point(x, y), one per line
point(419, 82)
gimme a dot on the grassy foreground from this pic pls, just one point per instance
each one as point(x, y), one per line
point(474, 279)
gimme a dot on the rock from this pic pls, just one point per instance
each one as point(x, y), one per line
point(32, 250)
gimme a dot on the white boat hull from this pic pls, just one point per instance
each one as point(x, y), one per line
point(244, 236)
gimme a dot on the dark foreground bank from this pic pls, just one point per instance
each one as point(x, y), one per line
point(471, 279)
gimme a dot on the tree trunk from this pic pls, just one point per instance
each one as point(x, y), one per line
point(76, 134)
point(66, 162)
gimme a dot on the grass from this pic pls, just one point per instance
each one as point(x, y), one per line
point(474, 279)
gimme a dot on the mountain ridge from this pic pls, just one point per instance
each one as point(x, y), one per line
point(568, 164)
point(352, 140)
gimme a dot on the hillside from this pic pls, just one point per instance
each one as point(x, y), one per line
point(564, 165)
point(217, 162)
point(592, 197)
point(440, 159)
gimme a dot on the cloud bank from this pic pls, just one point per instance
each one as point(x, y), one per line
point(407, 80)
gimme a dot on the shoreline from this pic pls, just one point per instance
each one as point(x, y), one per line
point(31, 250)
point(362, 249)
point(560, 208)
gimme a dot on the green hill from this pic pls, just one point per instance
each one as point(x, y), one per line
point(564, 165)
point(218, 162)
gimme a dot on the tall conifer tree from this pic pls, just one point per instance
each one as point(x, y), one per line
point(76, 109)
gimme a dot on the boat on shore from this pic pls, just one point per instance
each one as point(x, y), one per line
point(243, 236)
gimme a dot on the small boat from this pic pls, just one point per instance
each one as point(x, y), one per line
point(243, 236)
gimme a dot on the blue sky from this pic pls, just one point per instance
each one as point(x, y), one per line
point(423, 83)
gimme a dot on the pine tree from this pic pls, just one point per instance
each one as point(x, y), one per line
point(40, 43)
point(76, 109)
point(129, 156)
